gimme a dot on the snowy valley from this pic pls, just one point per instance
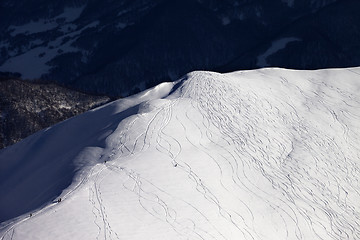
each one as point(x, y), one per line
point(259, 154)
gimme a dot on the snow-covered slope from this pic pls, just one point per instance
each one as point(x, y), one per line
point(265, 154)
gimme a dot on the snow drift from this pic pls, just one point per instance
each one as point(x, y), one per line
point(263, 154)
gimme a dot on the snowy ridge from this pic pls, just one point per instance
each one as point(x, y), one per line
point(265, 154)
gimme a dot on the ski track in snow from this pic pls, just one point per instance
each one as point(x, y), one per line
point(251, 160)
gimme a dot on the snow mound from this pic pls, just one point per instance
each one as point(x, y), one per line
point(262, 154)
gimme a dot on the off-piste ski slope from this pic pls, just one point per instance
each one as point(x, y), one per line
point(262, 154)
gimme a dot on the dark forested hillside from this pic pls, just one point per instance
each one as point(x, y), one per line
point(28, 107)
point(120, 47)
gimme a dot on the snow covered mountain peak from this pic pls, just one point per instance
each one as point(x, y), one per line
point(262, 154)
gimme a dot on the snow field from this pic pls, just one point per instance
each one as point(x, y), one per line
point(264, 154)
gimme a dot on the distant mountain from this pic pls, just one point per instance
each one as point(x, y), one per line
point(251, 155)
point(120, 47)
point(327, 38)
point(27, 107)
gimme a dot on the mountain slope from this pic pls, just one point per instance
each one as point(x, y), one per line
point(27, 107)
point(156, 45)
point(120, 47)
point(265, 154)
point(326, 37)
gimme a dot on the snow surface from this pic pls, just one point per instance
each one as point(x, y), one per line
point(262, 154)
point(70, 14)
point(290, 3)
point(35, 62)
point(4, 44)
point(225, 20)
point(122, 25)
point(68, 28)
point(32, 27)
point(275, 47)
point(42, 25)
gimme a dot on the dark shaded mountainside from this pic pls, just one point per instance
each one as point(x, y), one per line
point(29, 107)
point(121, 47)
point(328, 38)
